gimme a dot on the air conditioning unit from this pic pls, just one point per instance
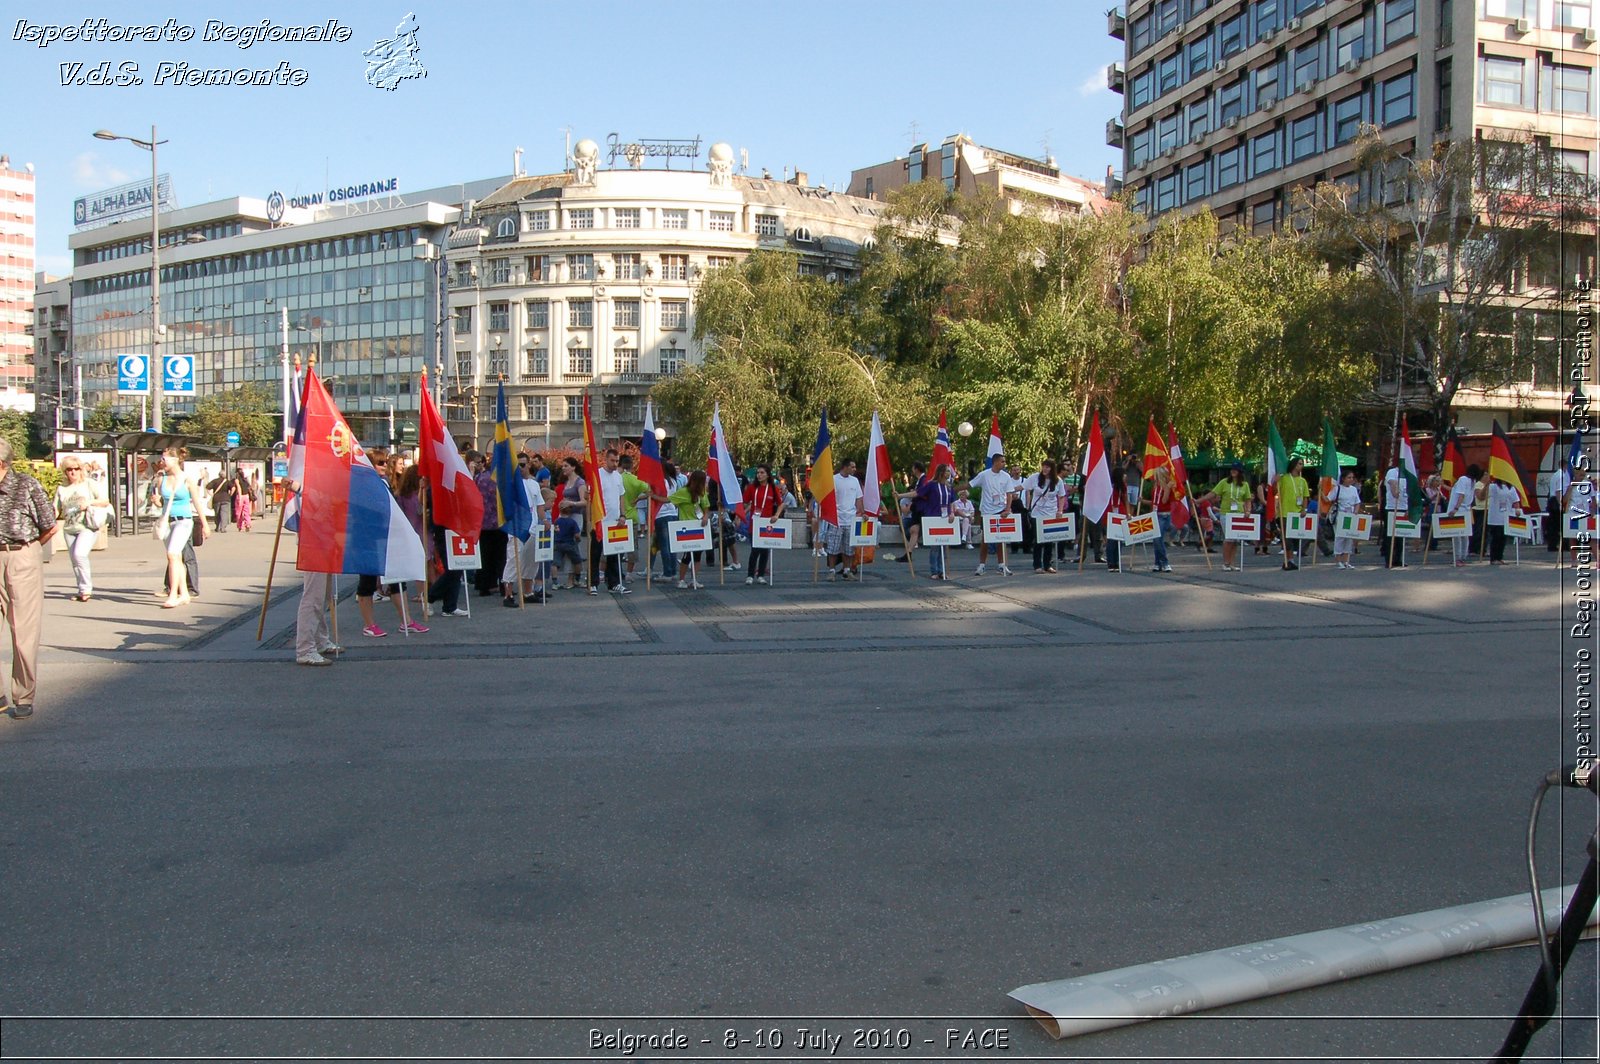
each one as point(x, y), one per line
point(1307, 85)
point(1524, 25)
point(1589, 35)
point(1295, 24)
point(1232, 123)
point(1267, 103)
point(1222, 65)
point(1270, 35)
point(1181, 28)
point(1351, 66)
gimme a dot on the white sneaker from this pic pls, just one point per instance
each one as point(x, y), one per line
point(979, 570)
point(312, 658)
point(759, 580)
point(1005, 570)
point(732, 567)
point(683, 585)
point(457, 612)
point(698, 586)
point(749, 580)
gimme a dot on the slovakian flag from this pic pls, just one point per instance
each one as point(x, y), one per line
point(349, 522)
point(719, 464)
point(995, 445)
point(1503, 465)
point(1156, 454)
point(1180, 481)
point(1096, 476)
point(821, 480)
point(942, 454)
point(772, 533)
point(457, 503)
point(650, 470)
point(512, 510)
point(879, 472)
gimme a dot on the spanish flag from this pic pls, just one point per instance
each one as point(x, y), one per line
point(1156, 454)
point(821, 482)
point(1503, 465)
point(591, 469)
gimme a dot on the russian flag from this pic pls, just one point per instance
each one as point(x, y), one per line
point(349, 523)
point(650, 470)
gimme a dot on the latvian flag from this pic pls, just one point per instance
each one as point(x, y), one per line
point(1448, 523)
point(1239, 523)
point(1055, 524)
point(617, 533)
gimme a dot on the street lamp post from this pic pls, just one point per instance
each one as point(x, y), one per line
point(390, 402)
point(156, 327)
point(965, 430)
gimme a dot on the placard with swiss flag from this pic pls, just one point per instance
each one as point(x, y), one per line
point(464, 553)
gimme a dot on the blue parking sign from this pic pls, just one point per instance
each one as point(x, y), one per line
point(133, 375)
point(233, 439)
point(177, 377)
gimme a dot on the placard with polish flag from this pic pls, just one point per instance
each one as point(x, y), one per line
point(772, 533)
point(1117, 526)
point(1300, 526)
point(1056, 529)
point(685, 536)
point(864, 532)
point(1002, 528)
point(1353, 526)
point(1241, 528)
point(616, 537)
point(1451, 526)
point(941, 532)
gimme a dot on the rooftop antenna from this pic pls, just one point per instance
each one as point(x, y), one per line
point(744, 160)
point(913, 131)
point(566, 158)
point(516, 161)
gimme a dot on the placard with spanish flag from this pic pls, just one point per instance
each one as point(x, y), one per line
point(1002, 528)
point(864, 532)
point(941, 532)
point(616, 537)
point(1402, 528)
point(1452, 526)
point(1241, 528)
point(1142, 528)
point(685, 536)
point(1056, 529)
point(772, 533)
point(1521, 526)
point(1299, 526)
point(544, 544)
point(1353, 526)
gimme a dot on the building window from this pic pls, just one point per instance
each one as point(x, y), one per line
point(612, 407)
point(1441, 103)
point(1142, 83)
point(1350, 45)
point(1230, 102)
point(1307, 64)
point(535, 408)
point(463, 321)
point(1267, 84)
point(1262, 217)
point(720, 262)
point(580, 313)
point(670, 361)
point(625, 313)
point(1399, 99)
point(674, 314)
point(674, 267)
point(1199, 119)
point(537, 363)
point(1566, 88)
point(1511, 8)
point(1230, 167)
point(1167, 133)
point(1303, 137)
point(1142, 32)
point(720, 221)
point(1266, 17)
point(464, 366)
point(539, 268)
point(538, 313)
point(499, 363)
point(581, 360)
point(1399, 21)
point(1346, 119)
point(674, 218)
point(499, 317)
point(1573, 14)
point(1166, 192)
point(1230, 36)
point(1264, 153)
point(1194, 183)
point(1199, 56)
point(506, 228)
point(1503, 79)
point(801, 234)
point(580, 267)
point(625, 267)
point(1139, 148)
point(536, 221)
point(626, 217)
point(580, 218)
point(499, 271)
point(1168, 73)
point(767, 225)
point(627, 360)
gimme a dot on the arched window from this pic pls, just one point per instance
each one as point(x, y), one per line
point(506, 228)
point(802, 234)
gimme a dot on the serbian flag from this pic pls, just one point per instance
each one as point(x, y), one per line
point(1454, 464)
point(1408, 471)
point(295, 438)
point(457, 503)
point(510, 500)
point(1180, 481)
point(1097, 475)
point(650, 470)
point(942, 454)
point(349, 523)
point(995, 446)
point(879, 471)
point(1156, 454)
point(719, 464)
point(821, 481)
point(591, 472)
point(1503, 465)
point(1277, 465)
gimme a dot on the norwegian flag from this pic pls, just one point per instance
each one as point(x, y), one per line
point(942, 454)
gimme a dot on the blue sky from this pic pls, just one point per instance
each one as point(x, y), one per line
point(821, 85)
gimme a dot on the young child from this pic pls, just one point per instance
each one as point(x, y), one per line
point(567, 549)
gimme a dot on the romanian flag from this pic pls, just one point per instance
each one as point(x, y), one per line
point(1453, 464)
point(866, 527)
point(591, 471)
point(1503, 465)
point(1156, 454)
point(821, 481)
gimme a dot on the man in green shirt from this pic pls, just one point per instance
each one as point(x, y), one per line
point(1292, 495)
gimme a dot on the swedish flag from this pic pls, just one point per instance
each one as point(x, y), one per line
point(511, 500)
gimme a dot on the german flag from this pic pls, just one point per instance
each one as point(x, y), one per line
point(1503, 465)
point(1453, 465)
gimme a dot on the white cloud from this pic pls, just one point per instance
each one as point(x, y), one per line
point(1094, 83)
point(90, 173)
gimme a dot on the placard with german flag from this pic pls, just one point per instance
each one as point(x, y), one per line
point(864, 532)
point(941, 532)
point(616, 537)
point(772, 533)
point(1056, 529)
point(1353, 526)
point(1241, 528)
point(1522, 526)
point(1299, 526)
point(1002, 528)
point(1452, 526)
point(1142, 528)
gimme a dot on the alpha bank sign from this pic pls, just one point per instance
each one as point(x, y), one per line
point(117, 204)
point(277, 202)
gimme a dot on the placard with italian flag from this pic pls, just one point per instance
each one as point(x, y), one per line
point(1241, 528)
point(616, 537)
point(544, 544)
point(1002, 528)
point(864, 532)
point(1353, 526)
point(1452, 526)
point(775, 533)
point(1401, 528)
point(1142, 528)
point(941, 532)
point(1300, 526)
point(685, 536)
point(1056, 529)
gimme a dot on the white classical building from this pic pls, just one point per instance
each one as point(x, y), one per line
point(585, 281)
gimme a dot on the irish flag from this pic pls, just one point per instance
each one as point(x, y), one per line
point(1277, 465)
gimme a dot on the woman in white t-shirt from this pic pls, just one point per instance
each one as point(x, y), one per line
point(1503, 500)
point(1044, 495)
point(1346, 500)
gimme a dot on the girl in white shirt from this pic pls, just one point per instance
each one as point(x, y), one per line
point(1044, 495)
point(1346, 500)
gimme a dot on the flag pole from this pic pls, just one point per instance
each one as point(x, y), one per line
point(405, 614)
point(722, 542)
point(649, 543)
point(266, 596)
point(332, 605)
point(516, 561)
point(422, 508)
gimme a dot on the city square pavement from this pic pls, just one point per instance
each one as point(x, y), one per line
point(875, 805)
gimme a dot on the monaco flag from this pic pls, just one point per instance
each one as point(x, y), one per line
point(457, 503)
point(1097, 475)
point(879, 472)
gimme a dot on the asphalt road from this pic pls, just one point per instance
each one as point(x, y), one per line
point(873, 806)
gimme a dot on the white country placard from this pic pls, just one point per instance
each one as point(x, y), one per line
point(686, 536)
point(1300, 526)
point(941, 532)
point(1002, 528)
point(1056, 529)
point(864, 532)
point(464, 553)
point(772, 533)
point(1241, 528)
point(616, 537)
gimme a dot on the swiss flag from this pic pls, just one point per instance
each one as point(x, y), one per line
point(457, 503)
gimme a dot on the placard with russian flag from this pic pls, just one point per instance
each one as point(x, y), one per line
point(1452, 526)
point(864, 532)
point(772, 533)
point(1402, 528)
point(685, 536)
point(1241, 528)
point(1056, 529)
point(1002, 528)
point(1300, 526)
point(1353, 526)
point(464, 553)
point(1521, 526)
point(1142, 528)
point(616, 537)
point(941, 532)
point(544, 544)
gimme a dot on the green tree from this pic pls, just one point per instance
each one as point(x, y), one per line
point(252, 411)
point(17, 428)
point(106, 418)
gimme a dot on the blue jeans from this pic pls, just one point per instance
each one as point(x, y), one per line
point(935, 561)
point(1165, 521)
point(669, 565)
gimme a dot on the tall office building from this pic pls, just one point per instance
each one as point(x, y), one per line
point(16, 285)
point(1234, 104)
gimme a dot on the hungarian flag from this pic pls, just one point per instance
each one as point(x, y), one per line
point(1097, 475)
point(1503, 465)
point(1328, 484)
point(942, 455)
point(1277, 464)
point(591, 472)
point(650, 470)
point(1156, 454)
point(1453, 464)
point(1180, 481)
point(719, 464)
point(995, 446)
point(822, 474)
point(879, 472)
point(1408, 471)
point(457, 503)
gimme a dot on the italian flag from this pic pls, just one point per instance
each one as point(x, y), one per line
point(1408, 470)
point(1277, 464)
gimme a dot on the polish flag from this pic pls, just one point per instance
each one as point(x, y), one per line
point(1097, 475)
